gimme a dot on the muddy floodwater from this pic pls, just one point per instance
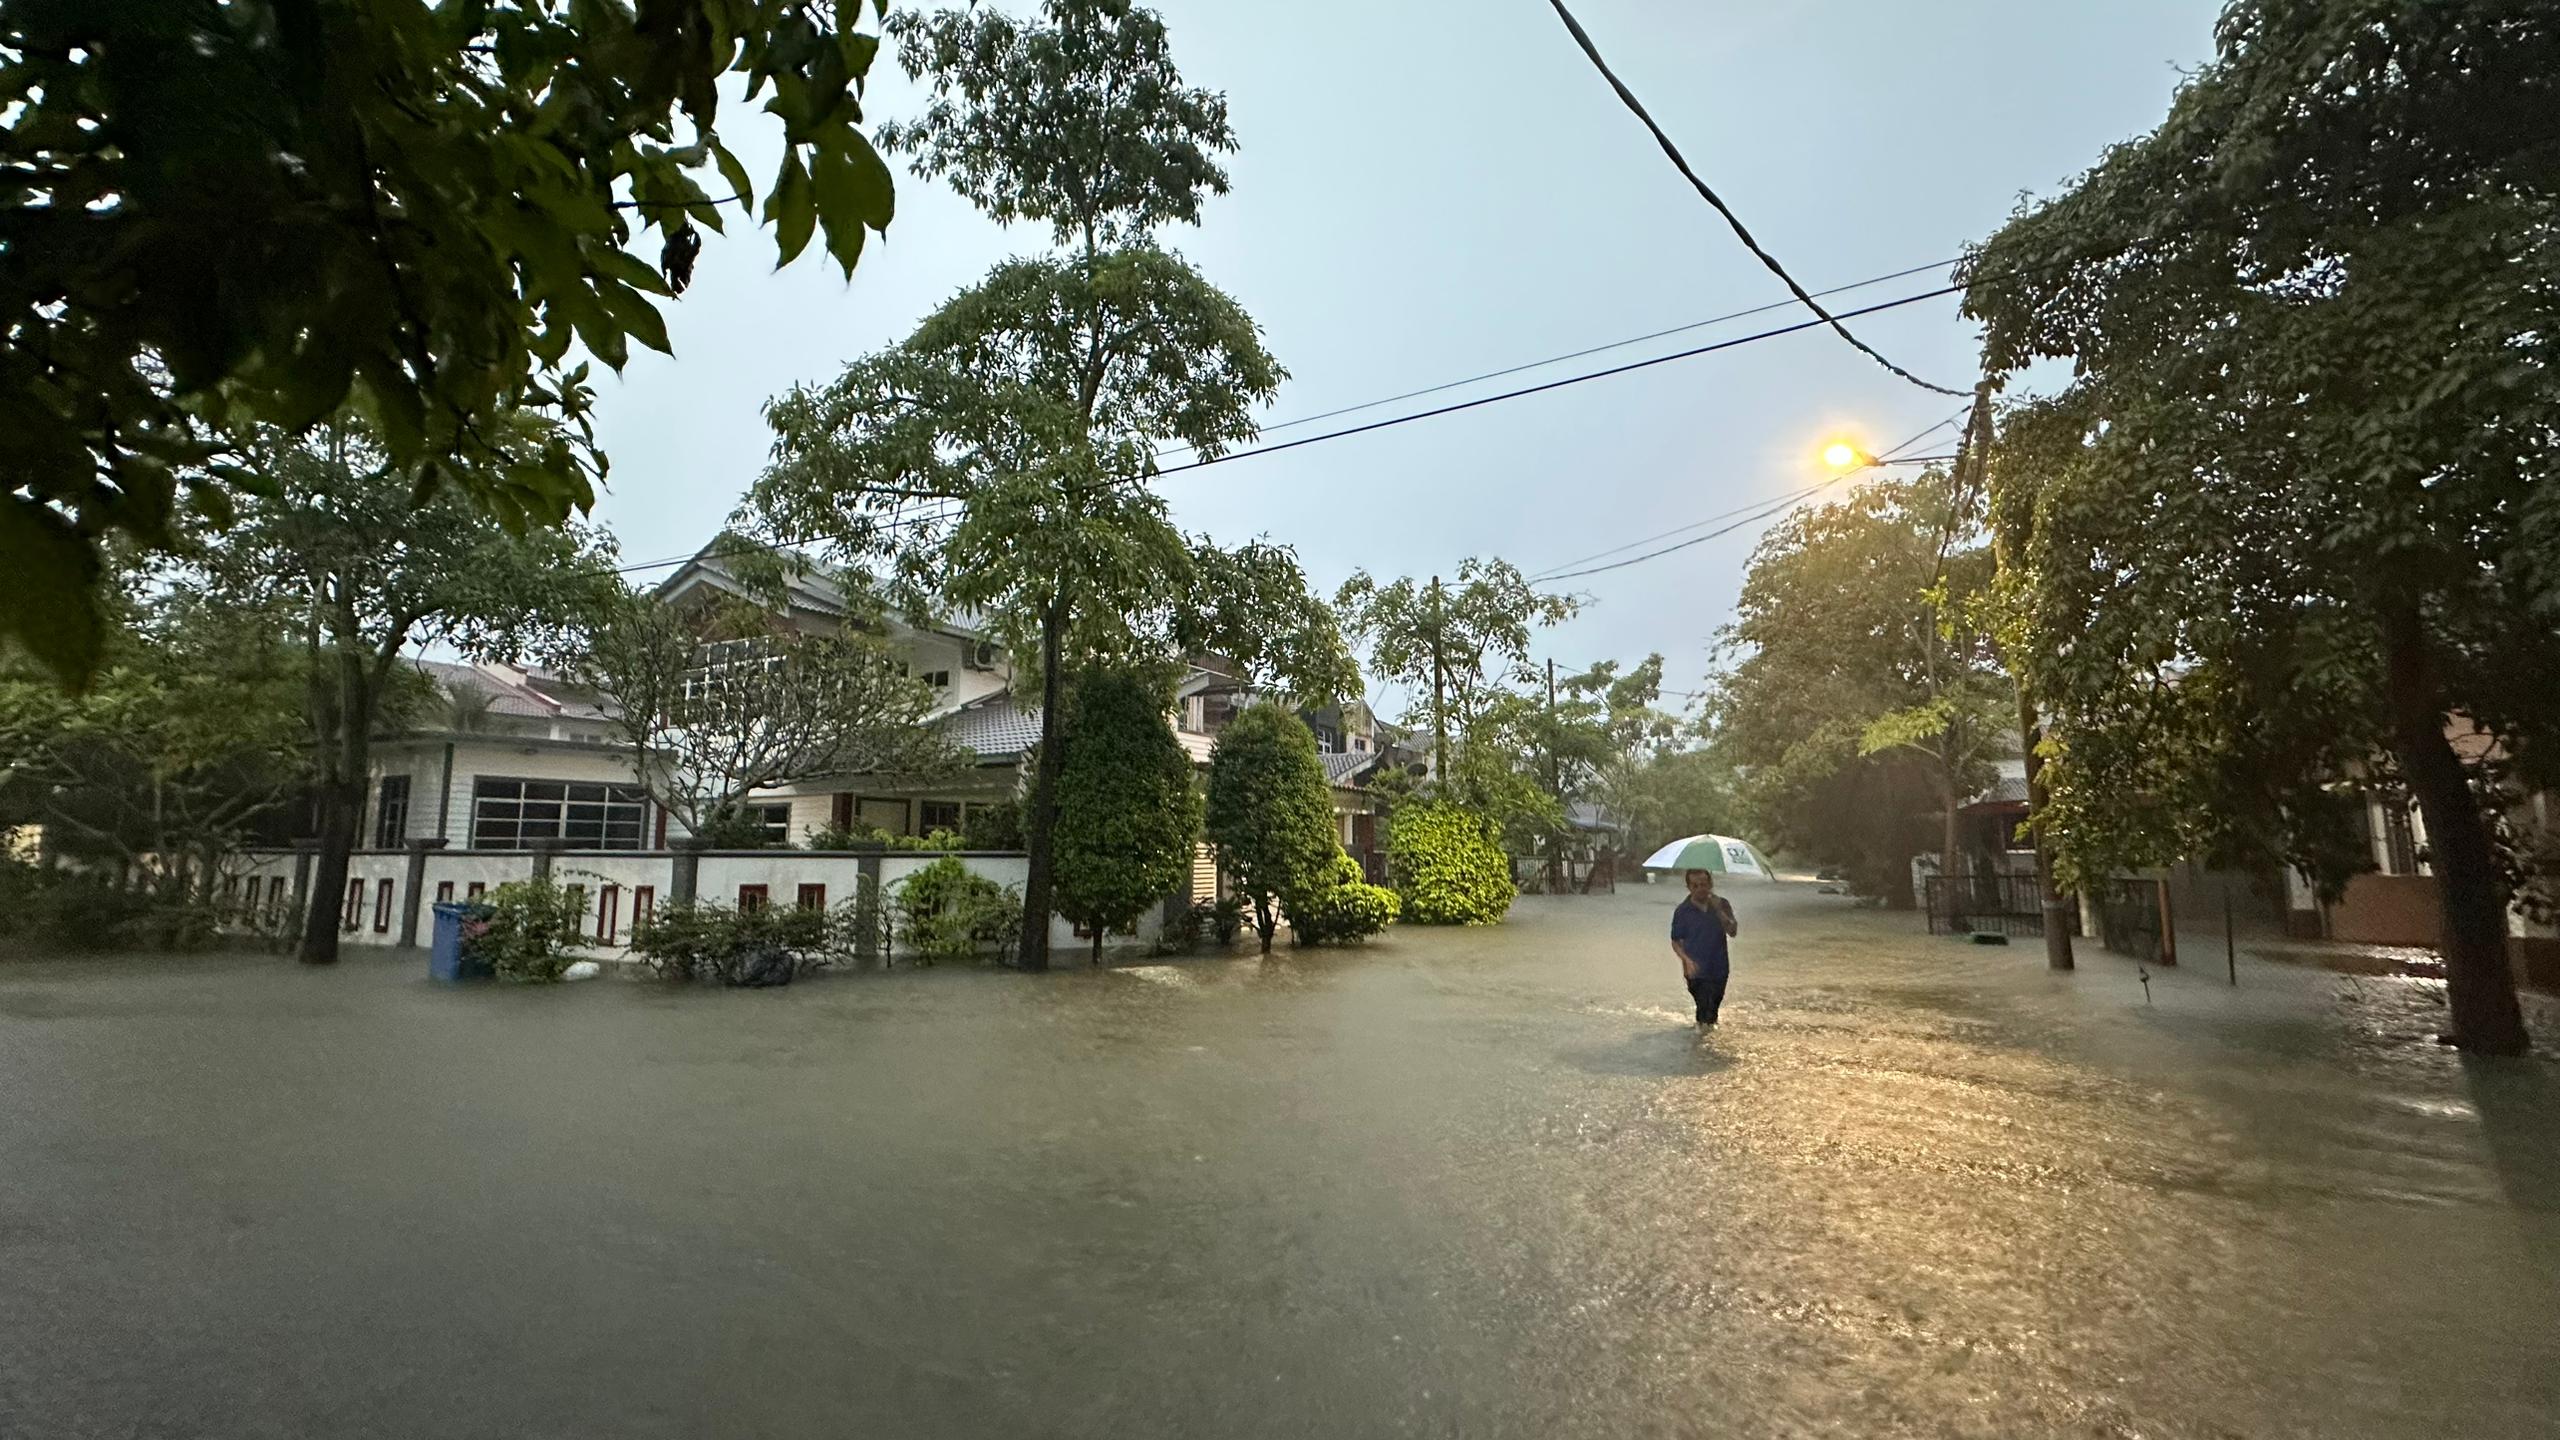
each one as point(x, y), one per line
point(1455, 1183)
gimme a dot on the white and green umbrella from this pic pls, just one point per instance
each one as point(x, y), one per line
point(1722, 854)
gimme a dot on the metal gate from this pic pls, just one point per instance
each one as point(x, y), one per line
point(2133, 919)
point(1983, 905)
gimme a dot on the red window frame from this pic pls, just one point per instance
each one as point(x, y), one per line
point(644, 907)
point(475, 890)
point(354, 915)
point(813, 897)
point(444, 892)
point(753, 897)
point(382, 907)
point(275, 896)
point(609, 914)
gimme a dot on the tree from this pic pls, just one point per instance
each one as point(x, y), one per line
point(721, 699)
point(186, 743)
point(996, 459)
point(1460, 646)
point(1128, 810)
point(274, 207)
point(337, 548)
point(1669, 795)
point(1857, 668)
point(2292, 519)
point(1270, 813)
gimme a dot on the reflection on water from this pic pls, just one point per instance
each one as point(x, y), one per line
point(1481, 1183)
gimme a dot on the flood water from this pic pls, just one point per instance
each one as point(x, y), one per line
point(1474, 1184)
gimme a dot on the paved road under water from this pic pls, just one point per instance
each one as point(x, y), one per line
point(1455, 1183)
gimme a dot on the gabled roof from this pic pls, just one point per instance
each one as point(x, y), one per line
point(997, 728)
point(809, 588)
point(538, 696)
point(1346, 767)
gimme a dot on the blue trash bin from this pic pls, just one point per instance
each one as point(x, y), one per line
point(446, 959)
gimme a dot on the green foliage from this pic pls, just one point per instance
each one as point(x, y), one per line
point(47, 912)
point(730, 946)
point(277, 209)
point(1128, 810)
point(188, 740)
point(722, 699)
point(988, 461)
point(1470, 638)
point(1672, 794)
point(1448, 865)
point(2294, 507)
point(1860, 701)
point(527, 931)
point(996, 826)
point(1340, 906)
point(1269, 811)
point(945, 911)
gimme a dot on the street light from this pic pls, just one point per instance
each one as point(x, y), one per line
point(1842, 455)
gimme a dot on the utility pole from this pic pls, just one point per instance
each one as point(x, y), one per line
point(1439, 685)
point(1555, 785)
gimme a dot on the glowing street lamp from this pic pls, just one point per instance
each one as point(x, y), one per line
point(1844, 456)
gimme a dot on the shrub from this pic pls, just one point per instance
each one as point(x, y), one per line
point(1447, 865)
point(995, 827)
point(1270, 812)
point(768, 945)
point(855, 836)
point(530, 928)
point(945, 911)
point(56, 910)
point(1128, 810)
point(1342, 908)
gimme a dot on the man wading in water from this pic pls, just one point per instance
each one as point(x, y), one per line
point(1699, 929)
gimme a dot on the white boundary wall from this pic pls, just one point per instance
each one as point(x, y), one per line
point(378, 911)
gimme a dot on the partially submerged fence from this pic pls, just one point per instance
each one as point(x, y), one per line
point(1979, 904)
point(2134, 919)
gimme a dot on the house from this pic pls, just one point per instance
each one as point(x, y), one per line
point(506, 756)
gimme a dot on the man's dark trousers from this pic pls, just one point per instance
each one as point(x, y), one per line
point(1707, 988)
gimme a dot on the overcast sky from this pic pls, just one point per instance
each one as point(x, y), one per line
point(1428, 189)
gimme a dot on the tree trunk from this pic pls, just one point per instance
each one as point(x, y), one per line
point(1041, 817)
point(1263, 921)
point(1097, 945)
point(1950, 847)
point(2480, 988)
point(341, 807)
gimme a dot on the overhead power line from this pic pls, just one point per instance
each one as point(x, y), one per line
point(1626, 96)
point(1760, 513)
point(1392, 421)
point(1583, 354)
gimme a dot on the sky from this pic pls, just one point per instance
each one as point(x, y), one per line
point(1430, 189)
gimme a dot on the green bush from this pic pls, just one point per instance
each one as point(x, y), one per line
point(859, 836)
point(995, 827)
point(1128, 808)
point(530, 928)
point(1343, 907)
point(767, 945)
point(947, 912)
point(1270, 812)
point(1448, 865)
point(59, 910)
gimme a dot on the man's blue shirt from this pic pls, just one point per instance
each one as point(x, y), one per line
point(1699, 934)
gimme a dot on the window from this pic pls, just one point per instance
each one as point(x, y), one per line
point(775, 820)
point(444, 892)
point(381, 907)
point(1327, 741)
point(938, 679)
point(355, 907)
point(938, 815)
point(751, 897)
point(512, 814)
point(577, 909)
point(609, 914)
point(475, 891)
point(813, 897)
point(275, 897)
point(644, 907)
point(391, 813)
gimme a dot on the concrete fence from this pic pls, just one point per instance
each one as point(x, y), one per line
point(388, 896)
